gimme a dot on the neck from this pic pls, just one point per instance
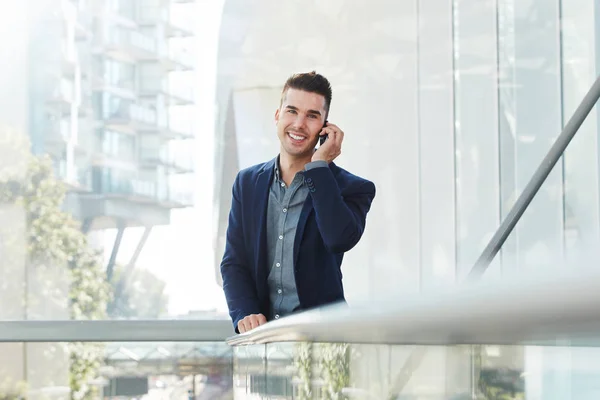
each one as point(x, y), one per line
point(290, 166)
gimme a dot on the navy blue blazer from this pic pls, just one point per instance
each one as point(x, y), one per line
point(332, 222)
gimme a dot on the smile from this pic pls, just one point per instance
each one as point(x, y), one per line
point(296, 137)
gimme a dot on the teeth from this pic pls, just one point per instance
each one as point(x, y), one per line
point(295, 136)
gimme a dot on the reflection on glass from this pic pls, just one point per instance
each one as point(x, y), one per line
point(147, 370)
point(377, 371)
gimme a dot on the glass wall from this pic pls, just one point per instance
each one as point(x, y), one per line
point(448, 109)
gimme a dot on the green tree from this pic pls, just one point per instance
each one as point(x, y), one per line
point(54, 238)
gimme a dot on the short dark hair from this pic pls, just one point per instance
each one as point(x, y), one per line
point(309, 82)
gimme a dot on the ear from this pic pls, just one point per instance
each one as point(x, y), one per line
point(277, 115)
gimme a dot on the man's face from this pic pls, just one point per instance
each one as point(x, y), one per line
point(299, 121)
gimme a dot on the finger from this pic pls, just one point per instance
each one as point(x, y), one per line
point(241, 326)
point(339, 136)
point(253, 321)
point(261, 319)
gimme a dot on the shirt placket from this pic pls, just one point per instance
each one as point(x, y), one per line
point(286, 197)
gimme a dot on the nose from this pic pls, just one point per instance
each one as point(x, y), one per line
point(299, 122)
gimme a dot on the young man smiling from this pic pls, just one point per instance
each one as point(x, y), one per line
point(293, 217)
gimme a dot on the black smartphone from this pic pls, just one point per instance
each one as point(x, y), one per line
point(323, 138)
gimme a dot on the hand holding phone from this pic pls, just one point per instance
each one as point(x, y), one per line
point(330, 143)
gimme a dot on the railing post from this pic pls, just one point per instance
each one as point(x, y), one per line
point(536, 181)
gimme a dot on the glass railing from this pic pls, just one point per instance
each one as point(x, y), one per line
point(130, 39)
point(178, 160)
point(64, 91)
point(116, 359)
point(127, 112)
point(144, 190)
point(532, 339)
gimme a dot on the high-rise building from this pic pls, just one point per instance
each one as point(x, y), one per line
point(111, 102)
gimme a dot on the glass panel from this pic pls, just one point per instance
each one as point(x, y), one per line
point(476, 133)
point(530, 120)
point(116, 370)
point(579, 70)
point(349, 371)
point(436, 134)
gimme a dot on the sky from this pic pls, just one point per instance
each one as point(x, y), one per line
point(181, 253)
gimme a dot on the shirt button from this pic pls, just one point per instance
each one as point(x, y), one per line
point(279, 291)
point(282, 184)
point(285, 210)
point(276, 316)
point(278, 265)
point(280, 237)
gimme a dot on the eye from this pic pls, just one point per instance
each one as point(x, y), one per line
point(292, 111)
point(312, 116)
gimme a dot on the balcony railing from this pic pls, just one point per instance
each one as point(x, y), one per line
point(128, 113)
point(175, 27)
point(176, 94)
point(182, 162)
point(129, 43)
point(143, 191)
point(63, 92)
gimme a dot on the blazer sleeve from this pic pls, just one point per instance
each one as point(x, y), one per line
point(341, 218)
point(238, 283)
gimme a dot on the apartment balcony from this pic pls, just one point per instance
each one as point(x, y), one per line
point(58, 131)
point(159, 16)
point(128, 45)
point(63, 95)
point(130, 116)
point(177, 162)
point(140, 191)
point(176, 95)
point(174, 59)
point(136, 190)
point(174, 129)
point(124, 88)
point(77, 179)
point(176, 28)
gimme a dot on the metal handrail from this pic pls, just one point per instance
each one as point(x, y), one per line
point(213, 330)
point(563, 308)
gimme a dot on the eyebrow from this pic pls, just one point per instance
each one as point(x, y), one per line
point(309, 111)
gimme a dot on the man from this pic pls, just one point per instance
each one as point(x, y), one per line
point(293, 218)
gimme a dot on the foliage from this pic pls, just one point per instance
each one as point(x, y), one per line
point(54, 238)
point(335, 369)
point(303, 364)
point(10, 390)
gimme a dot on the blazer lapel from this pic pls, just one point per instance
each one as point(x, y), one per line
point(306, 210)
point(260, 202)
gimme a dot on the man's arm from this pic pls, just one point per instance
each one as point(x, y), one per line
point(238, 282)
point(341, 219)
